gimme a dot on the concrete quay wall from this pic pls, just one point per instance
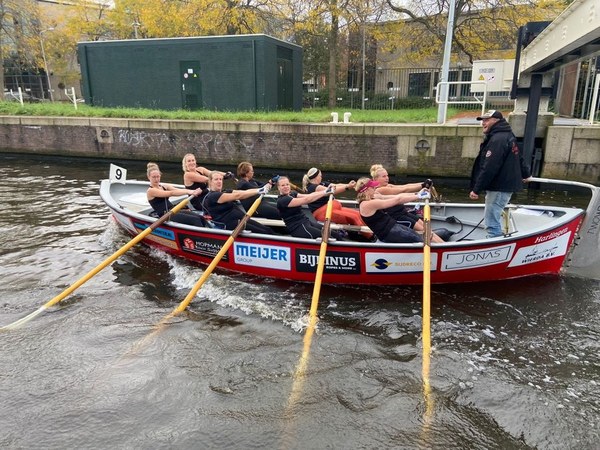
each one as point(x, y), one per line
point(405, 149)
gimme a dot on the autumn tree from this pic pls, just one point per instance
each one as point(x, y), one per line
point(19, 35)
point(362, 45)
point(480, 28)
point(159, 18)
point(321, 27)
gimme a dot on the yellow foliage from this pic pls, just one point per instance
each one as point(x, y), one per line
point(479, 34)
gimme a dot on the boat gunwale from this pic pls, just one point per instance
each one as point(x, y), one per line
point(570, 214)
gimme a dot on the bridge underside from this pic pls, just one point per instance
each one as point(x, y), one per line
point(572, 36)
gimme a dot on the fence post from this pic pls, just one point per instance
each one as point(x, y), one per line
point(72, 96)
point(594, 103)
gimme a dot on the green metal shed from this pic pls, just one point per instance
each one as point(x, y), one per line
point(233, 73)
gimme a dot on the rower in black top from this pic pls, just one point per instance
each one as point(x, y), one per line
point(223, 206)
point(266, 209)
point(158, 197)
point(290, 205)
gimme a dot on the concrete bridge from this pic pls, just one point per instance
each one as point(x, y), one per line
point(571, 37)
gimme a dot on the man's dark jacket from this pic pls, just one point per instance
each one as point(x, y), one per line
point(499, 165)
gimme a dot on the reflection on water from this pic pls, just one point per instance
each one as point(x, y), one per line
point(513, 365)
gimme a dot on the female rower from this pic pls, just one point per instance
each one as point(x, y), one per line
point(400, 213)
point(313, 182)
point(290, 205)
point(372, 209)
point(195, 177)
point(158, 196)
point(223, 208)
point(245, 173)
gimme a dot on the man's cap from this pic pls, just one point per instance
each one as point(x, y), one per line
point(491, 114)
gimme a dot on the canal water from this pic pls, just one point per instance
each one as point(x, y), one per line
point(515, 365)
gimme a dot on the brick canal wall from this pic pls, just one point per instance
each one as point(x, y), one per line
point(421, 150)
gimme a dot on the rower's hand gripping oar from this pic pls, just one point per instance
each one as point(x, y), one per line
point(428, 184)
point(186, 301)
point(100, 266)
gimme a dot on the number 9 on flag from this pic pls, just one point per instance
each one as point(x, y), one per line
point(117, 174)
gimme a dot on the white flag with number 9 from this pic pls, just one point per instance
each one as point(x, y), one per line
point(117, 174)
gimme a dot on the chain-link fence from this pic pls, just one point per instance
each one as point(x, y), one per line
point(33, 82)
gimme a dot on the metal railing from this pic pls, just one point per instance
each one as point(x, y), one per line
point(460, 101)
point(409, 88)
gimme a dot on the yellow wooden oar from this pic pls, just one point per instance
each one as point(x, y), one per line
point(300, 372)
point(186, 301)
point(321, 261)
point(426, 333)
point(426, 278)
point(99, 267)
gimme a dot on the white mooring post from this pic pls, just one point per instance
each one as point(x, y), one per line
point(72, 96)
point(20, 95)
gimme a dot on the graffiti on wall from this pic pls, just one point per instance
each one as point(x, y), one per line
point(221, 143)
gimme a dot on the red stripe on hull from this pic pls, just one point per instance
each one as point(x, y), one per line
point(368, 264)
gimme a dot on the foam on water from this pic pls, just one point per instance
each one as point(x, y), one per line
point(236, 293)
point(275, 304)
point(498, 339)
point(112, 237)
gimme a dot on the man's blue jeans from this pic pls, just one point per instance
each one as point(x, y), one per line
point(494, 205)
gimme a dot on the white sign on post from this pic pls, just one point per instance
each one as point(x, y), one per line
point(497, 74)
point(117, 174)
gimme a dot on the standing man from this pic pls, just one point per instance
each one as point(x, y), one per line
point(499, 169)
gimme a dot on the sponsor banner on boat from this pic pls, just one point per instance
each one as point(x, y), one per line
point(546, 247)
point(161, 236)
point(477, 258)
point(161, 232)
point(260, 255)
point(347, 263)
point(201, 246)
point(397, 263)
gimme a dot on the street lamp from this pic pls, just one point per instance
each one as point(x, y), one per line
point(362, 104)
point(46, 62)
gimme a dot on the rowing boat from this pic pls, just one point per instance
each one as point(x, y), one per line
point(537, 240)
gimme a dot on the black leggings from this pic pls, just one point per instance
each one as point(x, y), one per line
point(188, 218)
point(266, 209)
point(401, 233)
point(310, 230)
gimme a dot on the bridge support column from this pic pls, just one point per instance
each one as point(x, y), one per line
point(531, 118)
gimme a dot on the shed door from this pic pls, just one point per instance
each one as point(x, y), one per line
point(284, 84)
point(191, 86)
